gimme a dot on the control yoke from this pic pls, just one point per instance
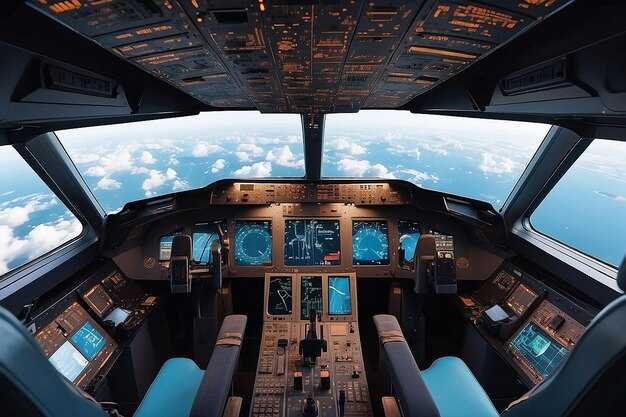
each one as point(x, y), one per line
point(425, 253)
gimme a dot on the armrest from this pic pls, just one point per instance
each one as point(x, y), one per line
point(215, 387)
point(413, 395)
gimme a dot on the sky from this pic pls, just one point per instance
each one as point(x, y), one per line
point(476, 158)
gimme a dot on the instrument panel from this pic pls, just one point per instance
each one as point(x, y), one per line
point(289, 238)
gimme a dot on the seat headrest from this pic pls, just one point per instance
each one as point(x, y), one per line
point(621, 275)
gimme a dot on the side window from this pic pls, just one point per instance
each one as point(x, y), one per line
point(33, 221)
point(587, 207)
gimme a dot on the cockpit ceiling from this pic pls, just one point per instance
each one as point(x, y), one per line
point(301, 56)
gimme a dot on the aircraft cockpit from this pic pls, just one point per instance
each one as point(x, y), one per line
point(270, 208)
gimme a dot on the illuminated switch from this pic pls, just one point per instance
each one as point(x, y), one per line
point(297, 381)
point(325, 380)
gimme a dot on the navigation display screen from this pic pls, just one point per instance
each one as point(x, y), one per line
point(279, 298)
point(339, 296)
point(540, 350)
point(253, 242)
point(310, 295)
point(88, 340)
point(68, 361)
point(202, 236)
point(521, 299)
point(409, 232)
point(312, 242)
point(370, 242)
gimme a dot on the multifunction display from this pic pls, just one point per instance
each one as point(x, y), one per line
point(310, 295)
point(165, 246)
point(408, 235)
point(312, 242)
point(370, 242)
point(203, 235)
point(339, 296)
point(538, 349)
point(68, 361)
point(280, 296)
point(253, 242)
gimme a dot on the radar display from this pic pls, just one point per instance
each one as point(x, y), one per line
point(370, 242)
point(203, 235)
point(408, 235)
point(312, 242)
point(310, 295)
point(339, 296)
point(538, 349)
point(279, 297)
point(253, 242)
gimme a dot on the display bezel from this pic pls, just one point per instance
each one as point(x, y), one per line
point(371, 220)
point(292, 219)
point(295, 294)
point(399, 235)
point(170, 235)
point(326, 316)
point(510, 345)
point(272, 235)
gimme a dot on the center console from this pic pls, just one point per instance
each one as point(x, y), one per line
point(310, 362)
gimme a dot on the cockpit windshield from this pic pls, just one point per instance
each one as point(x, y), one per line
point(131, 161)
point(477, 158)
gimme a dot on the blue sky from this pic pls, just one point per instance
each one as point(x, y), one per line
point(477, 158)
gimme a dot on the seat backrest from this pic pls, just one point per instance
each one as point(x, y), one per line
point(29, 384)
point(599, 351)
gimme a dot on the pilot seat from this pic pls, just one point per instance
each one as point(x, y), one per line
point(31, 386)
point(589, 381)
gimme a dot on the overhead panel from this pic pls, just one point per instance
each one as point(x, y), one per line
point(300, 56)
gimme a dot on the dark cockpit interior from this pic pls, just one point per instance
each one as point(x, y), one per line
point(275, 208)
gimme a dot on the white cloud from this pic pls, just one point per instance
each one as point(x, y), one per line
point(147, 158)
point(363, 168)
point(439, 149)
point(203, 149)
point(18, 215)
point(86, 158)
point(259, 169)
point(284, 157)
point(173, 160)
point(250, 148)
point(118, 161)
point(248, 151)
point(243, 156)
point(157, 179)
point(107, 183)
point(345, 146)
point(493, 164)
point(41, 239)
point(7, 193)
point(180, 185)
point(418, 177)
point(218, 165)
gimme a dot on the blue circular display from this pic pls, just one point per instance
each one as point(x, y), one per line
point(253, 243)
point(370, 243)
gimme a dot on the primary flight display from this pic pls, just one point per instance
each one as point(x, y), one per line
point(370, 242)
point(312, 242)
